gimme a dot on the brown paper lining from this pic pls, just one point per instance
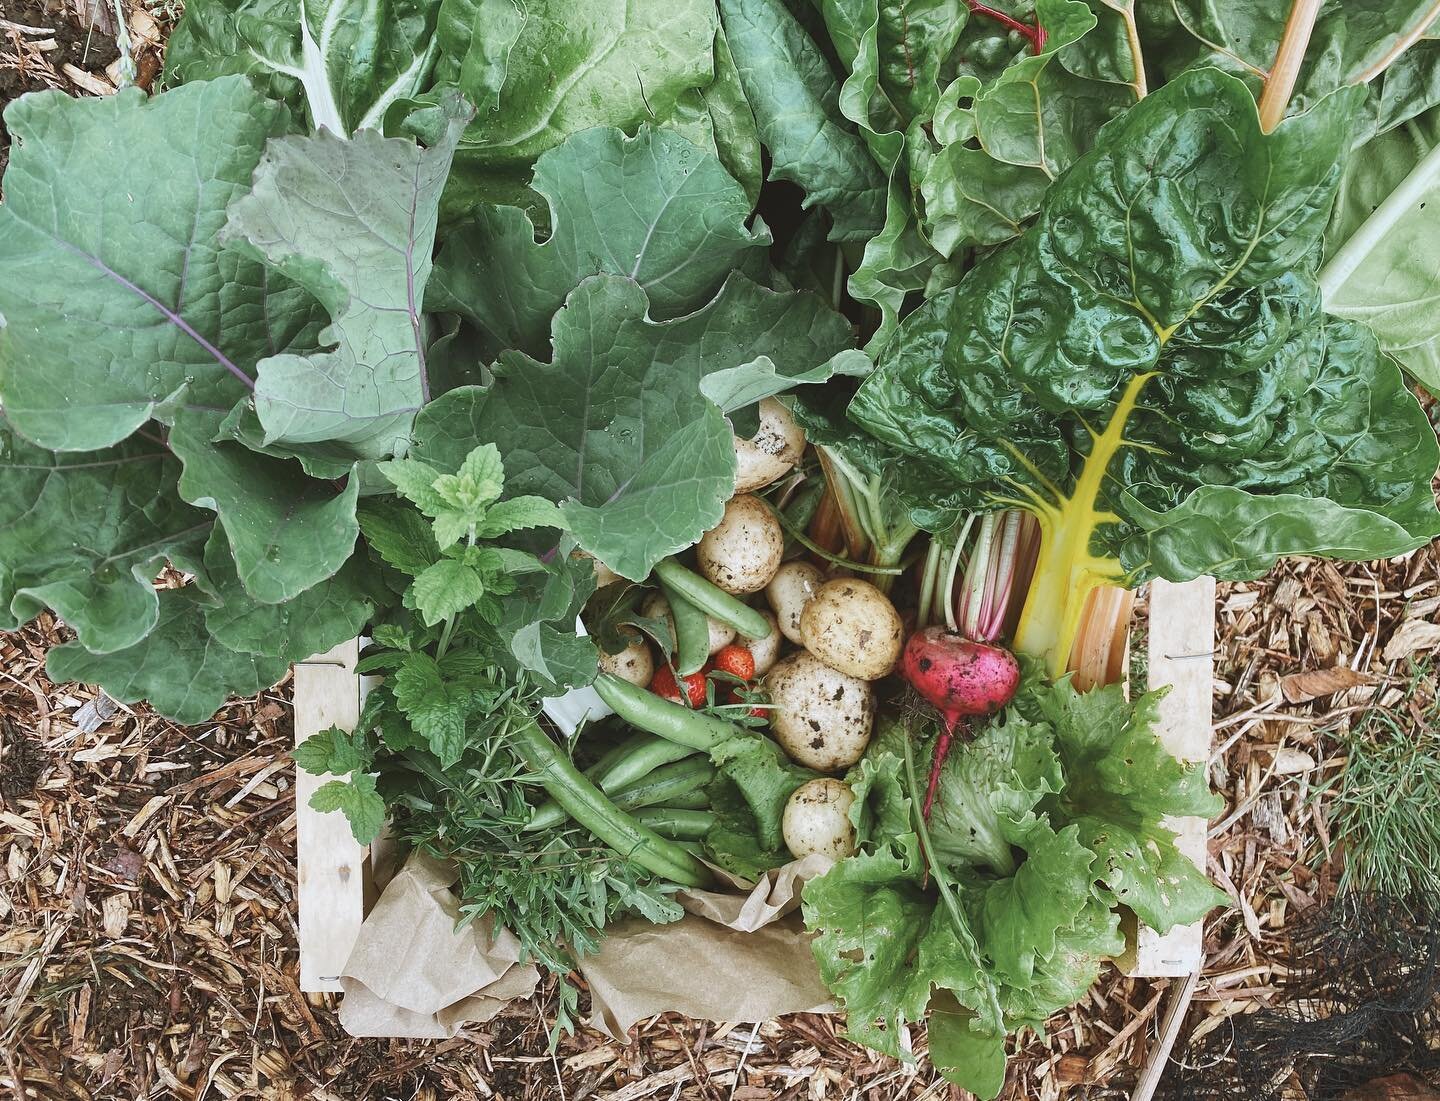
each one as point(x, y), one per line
point(737, 955)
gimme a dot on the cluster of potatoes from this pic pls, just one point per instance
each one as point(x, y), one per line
point(848, 633)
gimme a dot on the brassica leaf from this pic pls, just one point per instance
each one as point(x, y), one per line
point(168, 310)
point(86, 532)
point(653, 208)
point(640, 462)
point(179, 666)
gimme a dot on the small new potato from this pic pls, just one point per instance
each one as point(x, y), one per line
point(821, 717)
point(604, 575)
point(766, 650)
point(817, 819)
point(793, 586)
point(721, 634)
point(769, 454)
point(851, 625)
point(634, 663)
point(742, 552)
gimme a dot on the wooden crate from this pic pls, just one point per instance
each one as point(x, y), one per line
point(337, 877)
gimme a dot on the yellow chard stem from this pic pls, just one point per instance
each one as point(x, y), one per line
point(1066, 571)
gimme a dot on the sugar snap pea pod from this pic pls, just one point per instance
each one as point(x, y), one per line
point(676, 823)
point(712, 600)
point(588, 805)
point(673, 781)
point(626, 764)
point(692, 632)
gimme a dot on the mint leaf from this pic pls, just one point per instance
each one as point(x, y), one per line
point(416, 483)
point(166, 306)
point(517, 514)
point(398, 535)
point(445, 589)
point(437, 707)
point(358, 800)
point(381, 197)
point(332, 751)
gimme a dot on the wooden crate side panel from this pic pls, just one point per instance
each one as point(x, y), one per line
point(1181, 628)
point(330, 864)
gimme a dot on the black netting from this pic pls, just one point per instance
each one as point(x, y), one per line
point(1361, 1001)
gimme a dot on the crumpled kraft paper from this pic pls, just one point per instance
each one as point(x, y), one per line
point(411, 974)
point(737, 955)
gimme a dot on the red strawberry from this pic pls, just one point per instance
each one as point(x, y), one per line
point(735, 660)
point(663, 684)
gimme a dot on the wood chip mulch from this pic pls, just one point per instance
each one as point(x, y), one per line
point(147, 918)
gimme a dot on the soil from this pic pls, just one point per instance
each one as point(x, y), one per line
point(24, 70)
point(22, 760)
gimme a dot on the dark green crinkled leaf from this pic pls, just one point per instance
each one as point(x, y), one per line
point(381, 198)
point(324, 615)
point(179, 667)
point(86, 533)
point(653, 208)
point(351, 60)
point(1170, 264)
point(795, 97)
point(287, 532)
point(641, 463)
point(398, 534)
point(165, 306)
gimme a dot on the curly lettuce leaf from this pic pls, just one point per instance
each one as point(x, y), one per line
point(1120, 785)
point(1172, 260)
point(653, 208)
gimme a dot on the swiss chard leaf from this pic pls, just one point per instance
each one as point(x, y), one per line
point(1350, 44)
point(381, 197)
point(639, 460)
point(653, 208)
point(1173, 259)
point(86, 533)
point(167, 309)
point(796, 99)
point(180, 667)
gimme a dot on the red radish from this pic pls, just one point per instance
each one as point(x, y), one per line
point(962, 679)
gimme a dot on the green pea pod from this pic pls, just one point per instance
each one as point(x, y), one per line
point(673, 781)
point(626, 764)
point(587, 804)
point(712, 600)
point(692, 632)
point(676, 823)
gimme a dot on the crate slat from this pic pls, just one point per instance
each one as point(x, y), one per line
point(330, 864)
point(1182, 655)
